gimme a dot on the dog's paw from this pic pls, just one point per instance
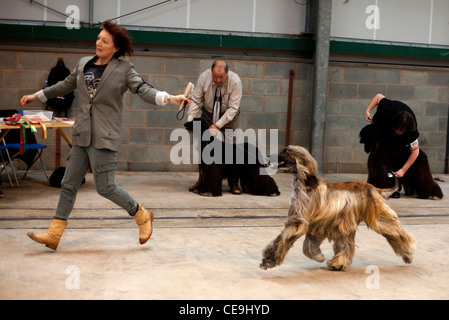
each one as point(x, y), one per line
point(337, 267)
point(334, 266)
point(407, 258)
point(267, 264)
point(207, 194)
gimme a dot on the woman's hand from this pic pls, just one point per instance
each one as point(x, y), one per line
point(368, 116)
point(179, 99)
point(373, 103)
point(400, 173)
point(27, 99)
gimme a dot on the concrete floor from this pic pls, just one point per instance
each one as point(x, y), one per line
point(205, 248)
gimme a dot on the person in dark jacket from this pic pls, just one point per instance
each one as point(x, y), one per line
point(392, 143)
point(61, 104)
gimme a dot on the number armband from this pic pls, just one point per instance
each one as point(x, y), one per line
point(414, 145)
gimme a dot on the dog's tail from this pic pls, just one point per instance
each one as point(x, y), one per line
point(387, 192)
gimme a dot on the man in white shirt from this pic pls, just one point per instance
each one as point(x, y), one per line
point(217, 86)
point(217, 94)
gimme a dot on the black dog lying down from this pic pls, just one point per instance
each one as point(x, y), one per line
point(248, 169)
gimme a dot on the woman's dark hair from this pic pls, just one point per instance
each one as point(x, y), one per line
point(405, 121)
point(122, 39)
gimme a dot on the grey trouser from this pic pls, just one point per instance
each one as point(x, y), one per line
point(103, 163)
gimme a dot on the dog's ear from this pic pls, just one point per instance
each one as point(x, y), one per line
point(302, 172)
point(311, 181)
point(298, 167)
point(311, 164)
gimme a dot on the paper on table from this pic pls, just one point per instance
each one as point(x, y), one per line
point(64, 120)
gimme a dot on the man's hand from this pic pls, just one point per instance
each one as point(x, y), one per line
point(213, 129)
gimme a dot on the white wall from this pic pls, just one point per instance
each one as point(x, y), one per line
point(259, 16)
point(410, 21)
point(23, 10)
point(413, 21)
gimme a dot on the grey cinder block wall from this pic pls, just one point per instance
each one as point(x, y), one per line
point(146, 133)
point(351, 87)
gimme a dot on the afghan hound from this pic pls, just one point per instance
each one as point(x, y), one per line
point(321, 209)
point(247, 170)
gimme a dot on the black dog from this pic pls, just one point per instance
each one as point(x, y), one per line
point(247, 170)
point(418, 179)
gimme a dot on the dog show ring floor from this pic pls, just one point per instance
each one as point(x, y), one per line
point(205, 248)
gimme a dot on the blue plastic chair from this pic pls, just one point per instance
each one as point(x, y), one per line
point(15, 147)
point(32, 149)
point(4, 147)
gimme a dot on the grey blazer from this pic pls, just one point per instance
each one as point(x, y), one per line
point(99, 118)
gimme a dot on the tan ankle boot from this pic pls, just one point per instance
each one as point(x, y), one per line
point(52, 236)
point(144, 219)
